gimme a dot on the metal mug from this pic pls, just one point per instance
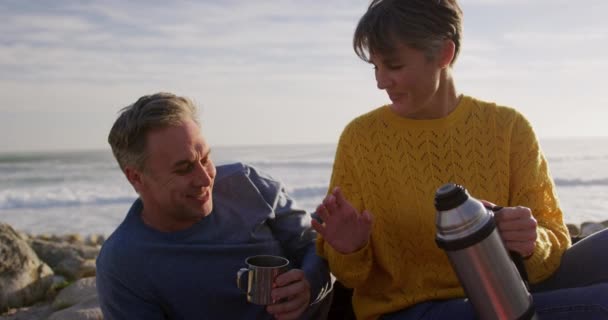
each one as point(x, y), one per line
point(260, 274)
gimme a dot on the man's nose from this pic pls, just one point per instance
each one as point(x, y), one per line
point(203, 177)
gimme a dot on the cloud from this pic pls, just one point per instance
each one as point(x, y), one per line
point(119, 41)
point(555, 39)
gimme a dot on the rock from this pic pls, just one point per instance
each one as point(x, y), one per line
point(70, 267)
point(77, 301)
point(95, 240)
point(73, 238)
point(23, 235)
point(76, 293)
point(59, 282)
point(39, 311)
point(588, 228)
point(69, 260)
point(24, 279)
point(573, 229)
point(86, 310)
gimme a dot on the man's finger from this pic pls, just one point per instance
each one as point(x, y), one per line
point(293, 315)
point(288, 277)
point(290, 309)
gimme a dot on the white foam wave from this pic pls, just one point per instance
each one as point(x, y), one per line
point(308, 192)
point(580, 182)
point(63, 197)
point(292, 163)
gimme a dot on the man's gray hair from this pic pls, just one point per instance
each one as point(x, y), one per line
point(129, 133)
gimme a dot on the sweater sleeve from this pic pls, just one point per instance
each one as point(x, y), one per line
point(531, 186)
point(291, 227)
point(351, 269)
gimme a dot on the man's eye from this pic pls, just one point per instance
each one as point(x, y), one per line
point(395, 67)
point(185, 169)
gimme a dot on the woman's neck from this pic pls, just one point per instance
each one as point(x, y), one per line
point(442, 103)
point(447, 97)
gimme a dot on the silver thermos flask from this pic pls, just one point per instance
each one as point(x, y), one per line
point(467, 232)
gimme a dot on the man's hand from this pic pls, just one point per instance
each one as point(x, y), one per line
point(292, 293)
point(343, 227)
point(517, 228)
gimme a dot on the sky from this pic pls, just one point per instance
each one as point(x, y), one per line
point(277, 71)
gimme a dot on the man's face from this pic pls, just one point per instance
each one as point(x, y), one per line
point(177, 181)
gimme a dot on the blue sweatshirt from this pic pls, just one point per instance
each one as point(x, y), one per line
point(143, 273)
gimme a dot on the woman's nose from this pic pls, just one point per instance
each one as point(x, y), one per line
point(382, 79)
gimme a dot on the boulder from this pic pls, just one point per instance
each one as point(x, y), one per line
point(95, 240)
point(78, 301)
point(573, 229)
point(588, 228)
point(24, 278)
point(76, 293)
point(67, 259)
point(85, 310)
point(39, 311)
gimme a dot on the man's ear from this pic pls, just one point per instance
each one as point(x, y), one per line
point(447, 53)
point(135, 178)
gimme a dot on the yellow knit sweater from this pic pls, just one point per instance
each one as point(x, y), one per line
point(392, 166)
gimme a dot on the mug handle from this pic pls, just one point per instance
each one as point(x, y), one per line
point(240, 278)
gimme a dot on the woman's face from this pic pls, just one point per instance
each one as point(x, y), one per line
point(410, 79)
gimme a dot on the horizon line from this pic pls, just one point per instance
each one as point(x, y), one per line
point(240, 145)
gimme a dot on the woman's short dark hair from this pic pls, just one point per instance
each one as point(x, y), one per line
point(420, 24)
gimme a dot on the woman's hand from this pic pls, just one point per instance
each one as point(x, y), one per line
point(517, 228)
point(343, 227)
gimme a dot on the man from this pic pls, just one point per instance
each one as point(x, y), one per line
point(176, 254)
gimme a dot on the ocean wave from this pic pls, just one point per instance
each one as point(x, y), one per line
point(292, 163)
point(580, 182)
point(59, 203)
point(307, 192)
point(58, 197)
point(570, 158)
point(64, 197)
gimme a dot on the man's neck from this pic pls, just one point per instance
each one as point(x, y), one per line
point(162, 224)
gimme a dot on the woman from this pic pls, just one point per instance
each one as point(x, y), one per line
point(378, 230)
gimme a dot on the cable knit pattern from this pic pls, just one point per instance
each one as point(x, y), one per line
point(392, 166)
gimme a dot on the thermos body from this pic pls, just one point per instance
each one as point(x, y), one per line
point(467, 232)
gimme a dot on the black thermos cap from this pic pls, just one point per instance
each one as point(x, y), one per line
point(450, 196)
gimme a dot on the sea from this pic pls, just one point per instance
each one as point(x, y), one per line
point(85, 192)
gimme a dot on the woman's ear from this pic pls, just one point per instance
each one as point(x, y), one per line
point(447, 53)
